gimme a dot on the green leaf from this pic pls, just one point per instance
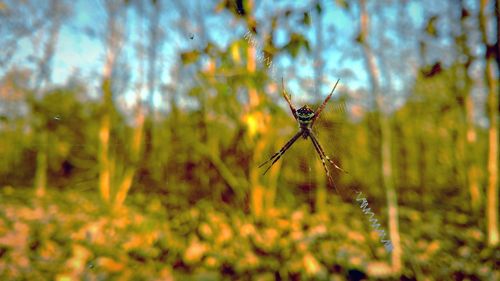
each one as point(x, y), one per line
point(343, 4)
point(318, 8)
point(306, 19)
point(297, 41)
point(190, 57)
point(430, 27)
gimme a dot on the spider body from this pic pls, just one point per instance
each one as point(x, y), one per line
point(305, 116)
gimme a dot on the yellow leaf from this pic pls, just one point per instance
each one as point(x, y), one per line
point(311, 265)
point(195, 252)
point(433, 247)
point(356, 236)
point(235, 52)
point(206, 231)
point(379, 269)
point(49, 250)
point(110, 265)
point(225, 234)
point(79, 258)
point(247, 229)
point(135, 242)
point(64, 277)
point(252, 124)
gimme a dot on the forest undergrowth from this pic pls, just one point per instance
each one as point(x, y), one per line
point(68, 236)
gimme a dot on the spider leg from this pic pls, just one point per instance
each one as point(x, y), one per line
point(322, 106)
point(322, 156)
point(321, 151)
point(282, 151)
point(287, 98)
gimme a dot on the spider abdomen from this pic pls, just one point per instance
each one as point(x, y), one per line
point(305, 116)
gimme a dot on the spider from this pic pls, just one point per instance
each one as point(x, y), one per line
point(305, 116)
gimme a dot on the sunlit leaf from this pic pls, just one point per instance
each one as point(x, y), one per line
point(190, 57)
point(311, 264)
point(379, 269)
point(195, 251)
point(110, 265)
point(430, 27)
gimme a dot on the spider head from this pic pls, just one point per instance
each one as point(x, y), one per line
point(305, 115)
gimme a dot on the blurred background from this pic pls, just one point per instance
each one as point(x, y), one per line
point(132, 131)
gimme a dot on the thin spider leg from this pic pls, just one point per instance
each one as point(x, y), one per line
point(287, 98)
point(322, 106)
point(282, 151)
point(322, 155)
point(315, 140)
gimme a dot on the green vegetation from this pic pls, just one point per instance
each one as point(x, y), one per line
point(121, 175)
point(67, 235)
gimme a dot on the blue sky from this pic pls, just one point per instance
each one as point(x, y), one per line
point(76, 51)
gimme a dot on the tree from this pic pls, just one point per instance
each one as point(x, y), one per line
point(466, 103)
point(491, 67)
point(113, 37)
point(55, 13)
point(385, 136)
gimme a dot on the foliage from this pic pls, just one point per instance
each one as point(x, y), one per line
point(192, 159)
point(66, 235)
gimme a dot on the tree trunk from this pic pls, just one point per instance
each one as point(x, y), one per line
point(385, 129)
point(468, 133)
point(105, 165)
point(135, 153)
point(44, 76)
point(492, 107)
point(253, 120)
point(138, 133)
point(472, 164)
point(104, 132)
